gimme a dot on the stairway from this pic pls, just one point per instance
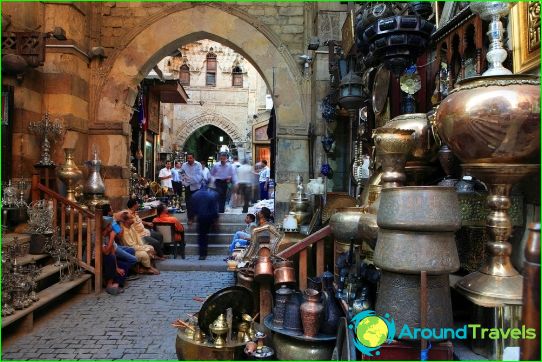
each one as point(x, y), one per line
point(49, 288)
point(219, 239)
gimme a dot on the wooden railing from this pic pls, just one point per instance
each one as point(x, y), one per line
point(70, 217)
point(301, 248)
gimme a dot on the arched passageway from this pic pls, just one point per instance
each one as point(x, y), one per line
point(161, 34)
point(206, 142)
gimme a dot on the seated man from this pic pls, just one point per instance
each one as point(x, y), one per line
point(149, 237)
point(163, 216)
point(115, 270)
point(129, 236)
point(241, 238)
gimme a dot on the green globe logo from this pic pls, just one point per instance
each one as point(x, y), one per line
point(372, 331)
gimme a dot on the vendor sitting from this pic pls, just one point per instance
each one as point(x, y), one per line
point(241, 238)
point(163, 216)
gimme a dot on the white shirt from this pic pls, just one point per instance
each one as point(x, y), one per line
point(192, 175)
point(244, 174)
point(206, 175)
point(167, 182)
point(265, 173)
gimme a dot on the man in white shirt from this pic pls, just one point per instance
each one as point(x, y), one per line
point(223, 173)
point(245, 177)
point(206, 173)
point(176, 179)
point(191, 176)
point(165, 176)
point(265, 173)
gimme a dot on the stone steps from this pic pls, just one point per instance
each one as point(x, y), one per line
point(223, 228)
point(46, 296)
point(48, 286)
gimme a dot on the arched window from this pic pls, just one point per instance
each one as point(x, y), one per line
point(184, 75)
point(237, 77)
point(211, 70)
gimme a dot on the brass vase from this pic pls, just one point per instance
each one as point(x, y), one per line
point(492, 124)
point(94, 188)
point(311, 313)
point(69, 174)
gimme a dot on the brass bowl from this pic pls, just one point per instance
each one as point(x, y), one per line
point(411, 252)
point(425, 148)
point(419, 208)
point(344, 224)
point(494, 119)
point(392, 140)
point(368, 229)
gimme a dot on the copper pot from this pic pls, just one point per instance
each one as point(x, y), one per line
point(284, 272)
point(263, 271)
point(493, 119)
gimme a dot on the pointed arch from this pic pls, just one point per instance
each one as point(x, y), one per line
point(190, 126)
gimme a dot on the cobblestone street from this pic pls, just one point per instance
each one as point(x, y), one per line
point(132, 325)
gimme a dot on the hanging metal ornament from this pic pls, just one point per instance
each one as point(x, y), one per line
point(410, 83)
point(328, 143)
point(329, 110)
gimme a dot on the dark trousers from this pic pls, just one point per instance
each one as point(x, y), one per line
point(221, 189)
point(188, 199)
point(264, 194)
point(110, 271)
point(245, 190)
point(158, 248)
point(177, 187)
point(204, 226)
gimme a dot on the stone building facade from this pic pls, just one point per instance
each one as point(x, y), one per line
point(235, 101)
point(90, 80)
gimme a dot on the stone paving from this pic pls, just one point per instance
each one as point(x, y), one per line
point(134, 325)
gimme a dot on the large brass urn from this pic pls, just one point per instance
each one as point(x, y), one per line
point(492, 124)
point(69, 174)
point(418, 166)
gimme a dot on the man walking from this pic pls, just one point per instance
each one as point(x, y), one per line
point(244, 181)
point(205, 202)
point(191, 176)
point(224, 174)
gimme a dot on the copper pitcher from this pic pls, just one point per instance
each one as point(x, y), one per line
point(284, 272)
point(263, 271)
point(311, 313)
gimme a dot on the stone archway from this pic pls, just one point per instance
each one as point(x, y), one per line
point(162, 33)
point(190, 126)
point(116, 80)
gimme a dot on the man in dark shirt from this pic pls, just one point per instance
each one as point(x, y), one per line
point(205, 202)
